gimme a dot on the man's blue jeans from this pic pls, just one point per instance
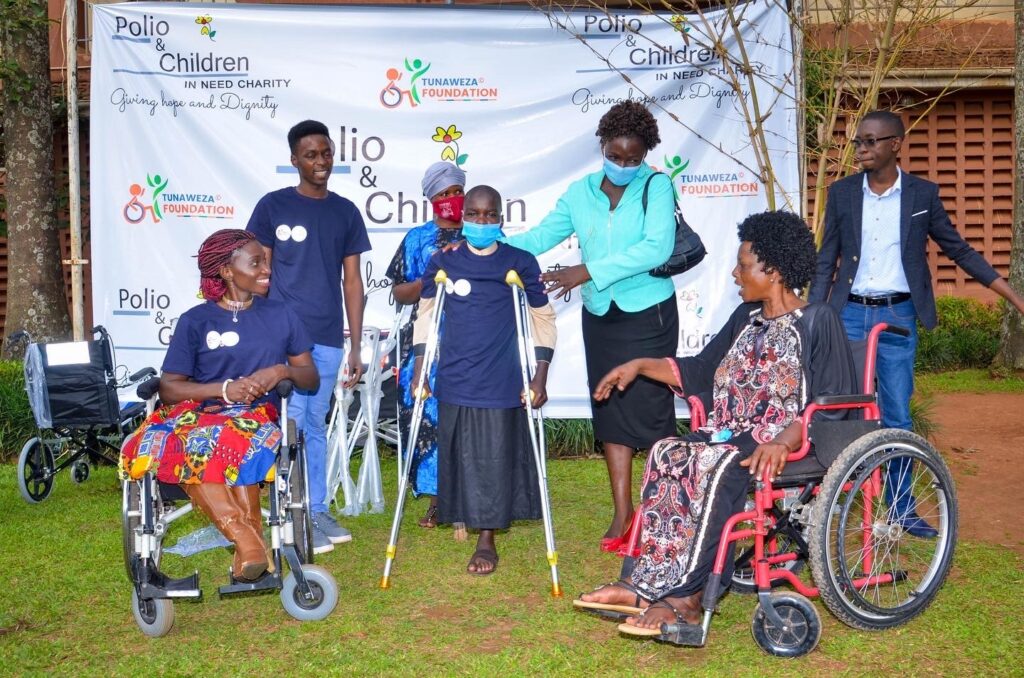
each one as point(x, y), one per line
point(309, 410)
point(894, 373)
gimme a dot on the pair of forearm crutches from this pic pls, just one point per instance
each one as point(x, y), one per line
point(535, 420)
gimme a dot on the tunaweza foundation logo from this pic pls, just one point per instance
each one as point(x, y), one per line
point(419, 82)
point(159, 200)
point(709, 184)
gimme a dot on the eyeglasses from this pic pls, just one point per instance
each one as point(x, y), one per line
point(870, 143)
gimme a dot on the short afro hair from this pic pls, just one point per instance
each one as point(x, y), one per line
point(305, 129)
point(892, 122)
point(782, 241)
point(629, 119)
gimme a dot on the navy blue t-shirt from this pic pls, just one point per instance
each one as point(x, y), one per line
point(209, 347)
point(478, 362)
point(310, 237)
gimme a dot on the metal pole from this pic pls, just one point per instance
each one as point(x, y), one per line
point(74, 171)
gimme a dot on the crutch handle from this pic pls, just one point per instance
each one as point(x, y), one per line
point(441, 277)
point(512, 278)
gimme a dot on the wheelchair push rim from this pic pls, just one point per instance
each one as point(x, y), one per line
point(872, 573)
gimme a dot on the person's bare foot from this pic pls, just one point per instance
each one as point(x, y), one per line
point(668, 611)
point(617, 593)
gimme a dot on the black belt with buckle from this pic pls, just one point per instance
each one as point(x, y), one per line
point(880, 301)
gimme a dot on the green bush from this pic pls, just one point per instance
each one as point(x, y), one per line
point(967, 336)
point(16, 422)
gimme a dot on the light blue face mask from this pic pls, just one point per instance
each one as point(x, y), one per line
point(619, 175)
point(480, 236)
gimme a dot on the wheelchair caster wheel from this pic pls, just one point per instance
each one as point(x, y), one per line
point(323, 587)
point(801, 632)
point(155, 617)
point(80, 471)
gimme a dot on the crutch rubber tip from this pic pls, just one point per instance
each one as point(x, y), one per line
point(556, 591)
point(385, 582)
point(512, 278)
point(440, 277)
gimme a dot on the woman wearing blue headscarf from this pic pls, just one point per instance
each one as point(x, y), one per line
point(443, 184)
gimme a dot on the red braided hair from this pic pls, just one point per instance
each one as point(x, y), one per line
point(215, 253)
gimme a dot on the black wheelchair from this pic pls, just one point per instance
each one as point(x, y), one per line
point(148, 508)
point(73, 392)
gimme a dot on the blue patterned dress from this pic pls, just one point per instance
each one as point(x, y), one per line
point(408, 264)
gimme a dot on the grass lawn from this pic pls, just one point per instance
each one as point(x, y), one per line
point(968, 381)
point(65, 605)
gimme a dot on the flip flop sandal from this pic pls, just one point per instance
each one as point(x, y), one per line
point(488, 557)
point(611, 610)
point(679, 633)
point(429, 521)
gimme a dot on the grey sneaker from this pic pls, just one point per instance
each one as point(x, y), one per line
point(325, 522)
point(321, 544)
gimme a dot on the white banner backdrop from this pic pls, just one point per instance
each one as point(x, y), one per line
point(191, 103)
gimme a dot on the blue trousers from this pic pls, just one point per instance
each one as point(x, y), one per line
point(309, 410)
point(894, 374)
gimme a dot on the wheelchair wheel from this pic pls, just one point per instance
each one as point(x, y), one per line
point(298, 506)
point(801, 632)
point(80, 472)
point(323, 587)
point(871, 573)
point(35, 471)
point(131, 518)
point(155, 617)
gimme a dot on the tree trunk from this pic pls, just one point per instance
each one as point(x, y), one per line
point(1011, 349)
point(35, 285)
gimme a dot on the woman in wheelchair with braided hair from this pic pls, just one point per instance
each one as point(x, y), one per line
point(774, 355)
point(216, 434)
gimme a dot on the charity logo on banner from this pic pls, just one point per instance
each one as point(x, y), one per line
point(191, 105)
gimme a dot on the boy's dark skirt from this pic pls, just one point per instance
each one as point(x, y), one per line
point(486, 475)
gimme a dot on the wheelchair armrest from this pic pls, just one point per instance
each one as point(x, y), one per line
point(142, 374)
point(285, 387)
point(149, 387)
point(861, 399)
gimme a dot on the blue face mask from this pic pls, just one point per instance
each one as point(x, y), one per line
point(480, 236)
point(619, 175)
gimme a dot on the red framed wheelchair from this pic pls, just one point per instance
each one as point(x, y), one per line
point(829, 509)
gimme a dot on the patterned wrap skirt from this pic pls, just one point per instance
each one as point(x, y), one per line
point(207, 442)
point(690, 489)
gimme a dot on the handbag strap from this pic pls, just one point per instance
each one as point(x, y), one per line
point(647, 185)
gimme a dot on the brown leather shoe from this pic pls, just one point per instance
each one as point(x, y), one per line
point(219, 504)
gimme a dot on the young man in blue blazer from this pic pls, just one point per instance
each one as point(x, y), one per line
point(873, 267)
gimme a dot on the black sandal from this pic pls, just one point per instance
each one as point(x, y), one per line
point(429, 521)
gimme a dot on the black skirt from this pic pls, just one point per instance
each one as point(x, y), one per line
point(645, 412)
point(486, 474)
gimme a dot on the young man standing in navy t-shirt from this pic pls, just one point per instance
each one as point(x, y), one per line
point(315, 237)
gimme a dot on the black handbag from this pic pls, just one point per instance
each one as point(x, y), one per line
point(688, 250)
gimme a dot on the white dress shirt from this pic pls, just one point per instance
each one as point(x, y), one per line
point(880, 272)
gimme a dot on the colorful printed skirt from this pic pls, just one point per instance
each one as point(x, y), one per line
point(207, 442)
point(690, 489)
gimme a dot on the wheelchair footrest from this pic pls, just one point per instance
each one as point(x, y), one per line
point(270, 581)
point(162, 586)
point(686, 635)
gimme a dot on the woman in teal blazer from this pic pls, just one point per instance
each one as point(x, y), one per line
point(627, 312)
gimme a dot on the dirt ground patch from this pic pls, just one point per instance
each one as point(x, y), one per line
point(981, 438)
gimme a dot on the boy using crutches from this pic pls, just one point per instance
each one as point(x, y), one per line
point(487, 476)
